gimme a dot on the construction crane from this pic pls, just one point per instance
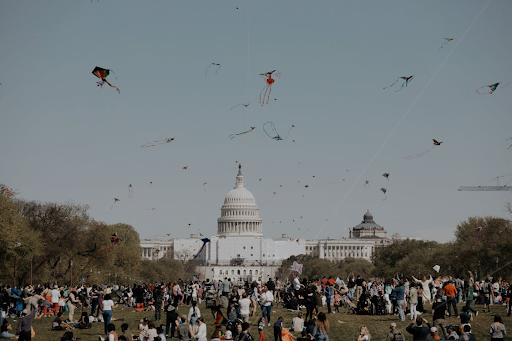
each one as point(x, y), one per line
point(498, 186)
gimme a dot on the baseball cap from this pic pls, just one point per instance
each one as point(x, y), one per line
point(393, 324)
point(450, 326)
point(433, 329)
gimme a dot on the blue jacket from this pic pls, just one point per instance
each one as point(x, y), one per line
point(399, 292)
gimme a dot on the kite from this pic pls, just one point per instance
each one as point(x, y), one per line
point(493, 88)
point(436, 143)
point(115, 200)
point(113, 241)
point(269, 128)
point(436, 268)
point(478, 230)
point(151, 209)
point(6, 190)
point(244, 132)
point(212, 64)
point(103, 74)
point(205, 241)
point(185, 167)
point(446, 42)
point(306, 186)
point(157, 143)
point(150, 183)
point(386, 175)
point(244, 104)
point(404, 84)
point(296, 267)
point(367, 184)
point(130, 190)
point(383, 190)
point(267, 89)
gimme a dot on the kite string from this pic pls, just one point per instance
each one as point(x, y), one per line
point(413, 104)
point(248, 89)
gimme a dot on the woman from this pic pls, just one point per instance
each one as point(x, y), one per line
point(201, 330)
point(112, 335)
point(151, 333)
point(193, 316)
point(5, 331)
point(216, 335)
point(84, 322)
point(322, 332)
point(497, 329)
point(420, 308)
point(108, 305)
point(470, 296)
point(364, 334)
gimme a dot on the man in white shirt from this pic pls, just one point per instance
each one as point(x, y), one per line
point(266, 300)
point(55, 298)
point(245, 307)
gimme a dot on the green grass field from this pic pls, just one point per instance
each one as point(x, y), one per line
point(344, 326)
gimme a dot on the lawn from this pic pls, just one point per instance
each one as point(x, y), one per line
point(344, 326)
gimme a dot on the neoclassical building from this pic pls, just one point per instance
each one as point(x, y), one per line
point(240, 251)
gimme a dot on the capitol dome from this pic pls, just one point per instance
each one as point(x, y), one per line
point(239, 213)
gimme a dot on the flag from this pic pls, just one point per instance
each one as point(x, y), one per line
point(219, 318)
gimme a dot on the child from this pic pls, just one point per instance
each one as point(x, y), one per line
point(278, 326)
point(261, 324)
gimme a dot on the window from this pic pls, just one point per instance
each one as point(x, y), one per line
point(251, 248)
point(251, 254)
point(244, 247)
point(263, 255)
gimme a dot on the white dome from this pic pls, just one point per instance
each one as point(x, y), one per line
point(240, 195)
point(239, 216)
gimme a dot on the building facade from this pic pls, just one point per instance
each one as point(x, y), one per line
point(240, 251)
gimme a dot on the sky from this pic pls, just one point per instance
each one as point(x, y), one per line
point(63, 139)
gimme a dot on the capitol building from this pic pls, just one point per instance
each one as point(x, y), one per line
point(240, 251)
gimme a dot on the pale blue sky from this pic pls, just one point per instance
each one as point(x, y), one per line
point(62, 138)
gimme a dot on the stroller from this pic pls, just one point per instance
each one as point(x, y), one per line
point(348, 304)
point(210, 298)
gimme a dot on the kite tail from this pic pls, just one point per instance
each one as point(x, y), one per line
point(385, 197)
point(89, 262)
point(504, 86)
point(218, 69)
point(206, 71)
point(404, 84)
point(113, 73)
point(392, 84)
point(262, 92)
point(232, 136)
point(288, 132)
point(112, 86)
point(485, 93)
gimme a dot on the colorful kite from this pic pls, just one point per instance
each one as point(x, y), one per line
point(130, 190)
point(115, 200)
point(267, 89)
point(244, 104)
point(296, 267)
point(205, 241)
point(436, 143)
point(493, 88)
point(212, 64)
point(404, 84)
point(270, 129)
point(367, 184)
point(386, 175)
point(157, 143)
point(244, 132)
point(446, 42)
point(103, 74)
point(383, 190)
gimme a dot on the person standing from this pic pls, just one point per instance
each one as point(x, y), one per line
point(278, 326)
point(201, 330)
point(438, 309)
point(25, 326)
point(226, 287)
point(55, 299)
point(399, 293)
point(328, 296)
point(266, 300)
point(72, 303)
point(413, 301)
point(451, 299)
point(245, 307)
point(469, 296)
point(108, 305)
point(170, 320)
point(497, 329)
point(158, 296)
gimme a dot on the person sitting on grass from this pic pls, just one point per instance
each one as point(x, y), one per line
point(59, 324)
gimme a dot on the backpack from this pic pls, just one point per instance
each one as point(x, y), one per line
point(398, 336)
point(68, 336)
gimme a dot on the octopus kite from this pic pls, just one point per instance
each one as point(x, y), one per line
point(212, 64)
point(383, 190)
point(244, 132)
point(404, 84)
point(270, 129)
point(205, 241)
point(446, 42)
point(267, 89)
point(157, 143)
point(492, 88)
point(103, 74)
point(436, 143)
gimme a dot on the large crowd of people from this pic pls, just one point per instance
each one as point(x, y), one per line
point(235, 304)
